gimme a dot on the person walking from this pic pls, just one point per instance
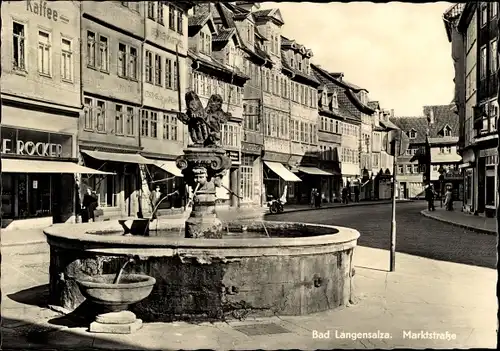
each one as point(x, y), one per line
point(356, 194)
point(312, 197)
point(89, 205)
point(344, 195)
point(448, 199)
point(155, 197)
point(317, 199)
point(429, 197)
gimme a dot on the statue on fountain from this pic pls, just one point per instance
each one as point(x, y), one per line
point(204, 163)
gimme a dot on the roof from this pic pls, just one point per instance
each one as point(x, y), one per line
point(198, 20)
point(274, 14)
point(296, 72)
point(443, 115)
point(418, 123)
point(352, 86)
point(374, 105)
point(388, 125)
point(224, 34)
point(216, 64)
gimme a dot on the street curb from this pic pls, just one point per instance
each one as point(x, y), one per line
point(343, 206)
point(36, 242)
point(459, 225)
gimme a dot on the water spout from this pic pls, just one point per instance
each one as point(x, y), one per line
point(120, 272)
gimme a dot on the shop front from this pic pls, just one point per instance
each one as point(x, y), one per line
point(251, 174)
point(276, 177)
point(487, 191)
point(124, 194)
point(38, 178)
point(468, 172)
point(167, 177)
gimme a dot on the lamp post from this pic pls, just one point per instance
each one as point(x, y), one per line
point(442, 172)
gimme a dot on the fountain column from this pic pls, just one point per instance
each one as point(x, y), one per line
point(203, 169)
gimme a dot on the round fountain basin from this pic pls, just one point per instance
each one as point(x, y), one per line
point(131, 289)
point(284, 269)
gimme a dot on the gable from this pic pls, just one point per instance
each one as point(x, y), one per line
point(276, 14)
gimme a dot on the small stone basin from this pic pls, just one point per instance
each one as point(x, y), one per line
point(131, 289)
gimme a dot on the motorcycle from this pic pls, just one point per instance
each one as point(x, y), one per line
point(275, 206)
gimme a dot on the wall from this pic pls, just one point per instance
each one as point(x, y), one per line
point(165, 37)
point(30, 83)
point(436, 156)
point(470, 80)
point(109, 84)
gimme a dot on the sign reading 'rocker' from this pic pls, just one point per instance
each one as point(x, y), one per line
point(30, 148)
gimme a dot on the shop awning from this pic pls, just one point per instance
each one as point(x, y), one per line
point(116, 157)
point(282, 172)
point(38, 166)
point(315, 171)
point(168, 166)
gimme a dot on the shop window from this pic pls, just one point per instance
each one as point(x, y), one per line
point(490, 188)
point(7, 196)
point(247, 178)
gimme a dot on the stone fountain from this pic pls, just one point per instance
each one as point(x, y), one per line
point(206, 269)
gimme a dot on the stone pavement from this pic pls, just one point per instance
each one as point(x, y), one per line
point(422, 295)
point(463, 220)
point(297, 208)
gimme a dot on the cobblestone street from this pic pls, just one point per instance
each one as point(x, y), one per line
point(416, 234)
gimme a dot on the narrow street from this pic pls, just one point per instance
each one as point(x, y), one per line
point(416, 235)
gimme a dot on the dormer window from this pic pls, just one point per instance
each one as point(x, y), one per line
point(292, 62)
point(447, 131)
point(324, 98)
point(205, 42)
point(413, 134)
point(335, 101)
point(300, 63)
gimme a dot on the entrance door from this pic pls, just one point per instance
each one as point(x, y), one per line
point(39, 198)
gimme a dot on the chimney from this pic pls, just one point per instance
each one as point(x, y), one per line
point(430, 117)
point(392, 113)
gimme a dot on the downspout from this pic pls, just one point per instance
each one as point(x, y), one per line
point(289, 125)
point(139, 120)
point(263, 195)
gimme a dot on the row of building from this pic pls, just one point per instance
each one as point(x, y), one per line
point(472, 30)
point(99, 84)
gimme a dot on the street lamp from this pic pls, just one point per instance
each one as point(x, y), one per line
point(442, 172)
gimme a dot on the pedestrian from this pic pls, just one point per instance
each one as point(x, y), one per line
point(155, 199)
point(344, 195)
point(312, 197)
point(356, 194)
point(429, 197)
point(89, 205)
point(317, 199)
point(448, 199)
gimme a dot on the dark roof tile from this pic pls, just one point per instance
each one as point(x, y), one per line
point(224, 34)
point(418, 123)
point(443, 115)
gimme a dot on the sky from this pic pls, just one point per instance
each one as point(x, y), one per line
point(399, 52)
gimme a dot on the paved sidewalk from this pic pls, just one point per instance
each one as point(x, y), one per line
point(463, 220)
point(456, 300)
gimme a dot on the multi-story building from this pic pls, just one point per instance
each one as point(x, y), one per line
point(132, 89)
point(302, 96)
point(410, 175)
point(213, 69)
point(41, 106)
point(475, 25)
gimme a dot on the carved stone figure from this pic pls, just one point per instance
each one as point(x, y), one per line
point(204, 124)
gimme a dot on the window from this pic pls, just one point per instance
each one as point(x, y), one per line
point(205, 42)
point(66, 60)
point(169, 79)
point(151, 10)
point(132, 71)
point(448, 150)
point(180, 24)
point(149, 124)
point(484, 14)
point(490, 187)
point(149, 67)
point(88, 115)
point(483, 62)
point(122, 59)
point(447, 131)
point(158, 70)
point(91, 44)
point(493, 57)
point(441, 150)
point(493, 9)
point(129, 123)
point(400, 169)
point(171, 17)
point(44, 53)
point(409, 169)
point(415, 168)
point(101, 116)
point(19, 61)
point(170, 127)
point(103, 54)
point(413, 134)
point(231, 135)
point(119, 120)
point(159, 17)
point(247, 178)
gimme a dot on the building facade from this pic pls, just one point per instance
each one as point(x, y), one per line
point(475, 25)
point(41, 106)
point(213, 61)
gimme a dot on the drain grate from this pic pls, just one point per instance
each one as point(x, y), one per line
point(261, 329)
